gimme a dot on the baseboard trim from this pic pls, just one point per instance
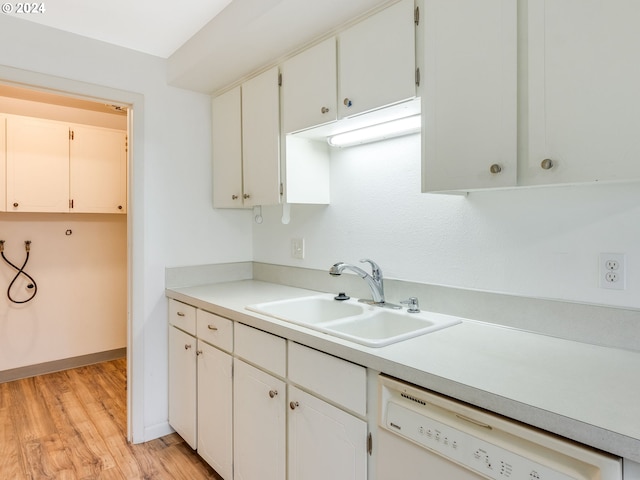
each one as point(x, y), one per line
point(59, 365)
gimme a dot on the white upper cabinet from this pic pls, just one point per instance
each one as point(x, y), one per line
point(227, 149)
point(376, 61)
point(246, 144)
point(37, 165)
point(98, 170)
point(582, 83)
point(261, 139)
point(3, 163)
point(469, 94)
point(309, 94)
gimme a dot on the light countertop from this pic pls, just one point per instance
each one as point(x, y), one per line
point(588, 393)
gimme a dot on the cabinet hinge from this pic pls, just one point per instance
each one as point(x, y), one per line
point(416, 16)
point(279, 79)
point(418, 76)
point(369, 444)
point(281, 189)
point(71, 134)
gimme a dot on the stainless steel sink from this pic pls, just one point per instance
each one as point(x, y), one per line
point(367, 325)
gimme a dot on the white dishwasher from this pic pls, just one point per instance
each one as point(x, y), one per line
point(430, 437)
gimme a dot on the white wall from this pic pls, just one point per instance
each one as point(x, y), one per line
point(171, 218)
point(541, 242)
point(81, 303)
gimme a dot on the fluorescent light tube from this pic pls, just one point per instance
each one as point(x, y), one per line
point(381, 131)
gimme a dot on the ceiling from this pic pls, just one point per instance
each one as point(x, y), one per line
point(156, 27)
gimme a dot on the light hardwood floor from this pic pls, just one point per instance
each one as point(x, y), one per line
point(72, 425)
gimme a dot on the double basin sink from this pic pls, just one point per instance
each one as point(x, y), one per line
point(368, 325)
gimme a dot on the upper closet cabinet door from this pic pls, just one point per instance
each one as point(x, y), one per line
point(583, 102)
point(37, 165)
point(98, 170)
point(3, 163)
point(469, 97)
point(376, 61)
point(261, 139)
point(309, 93)
point(227, 150)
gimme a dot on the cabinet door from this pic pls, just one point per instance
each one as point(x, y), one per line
point(215, 409)
point(314, 423)
point(3, 163)
point(261, 139)
point(309, 90)
point(259, 444)
point(376, 61)
point(37, 165)
point(227, 150)
point(182, 384)
point(469, 97)
point(98, 170)
point(583, 102)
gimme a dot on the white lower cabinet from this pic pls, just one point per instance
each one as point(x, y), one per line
point(215, 407)
point(259, 407)
point(182, 384)
point(259, 424)
point(324, 441)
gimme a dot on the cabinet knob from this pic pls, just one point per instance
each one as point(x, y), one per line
point(546, 164)
point(187, 346)
point(273, 393)
point(495, 168)
point(198, 352)
point(324, 110)
point(212, 327)
point(246, 195)
point(347, 102)
point(180, 314)
point(293, 405)
point(234, 197)
point(15, 204)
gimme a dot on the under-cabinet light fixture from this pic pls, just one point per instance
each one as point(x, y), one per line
point(373, 133)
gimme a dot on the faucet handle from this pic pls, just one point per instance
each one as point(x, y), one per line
point(412, 305)
point(376, 271)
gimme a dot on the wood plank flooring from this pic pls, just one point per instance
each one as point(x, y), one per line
point(72, 425)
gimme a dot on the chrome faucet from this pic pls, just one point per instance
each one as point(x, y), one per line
point(374, 280)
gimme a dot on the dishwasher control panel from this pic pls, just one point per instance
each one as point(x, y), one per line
point(467, 450)
point(487, 444)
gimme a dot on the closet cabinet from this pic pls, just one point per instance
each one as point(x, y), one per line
point(582, 98)
point(246, 144)
point(58, 167)
point(469, 94)
point(376, 61)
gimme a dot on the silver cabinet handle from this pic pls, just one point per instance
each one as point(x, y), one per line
point(324, 110)
point(187, 346)
point(212, 327)
point(293, 405)
point(347, 102)
point(273, 393)
point(180, 314)
point(546, 164)
point(495, 168)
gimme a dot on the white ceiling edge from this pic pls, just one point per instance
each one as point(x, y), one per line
point(251, 34)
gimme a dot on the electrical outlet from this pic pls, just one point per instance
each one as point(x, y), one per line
point(612, 271)
point(297, 248)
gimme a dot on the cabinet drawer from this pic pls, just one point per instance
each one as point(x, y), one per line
point(267, 351)
point(217, 331)
point(182, 316)
point(342, 382)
